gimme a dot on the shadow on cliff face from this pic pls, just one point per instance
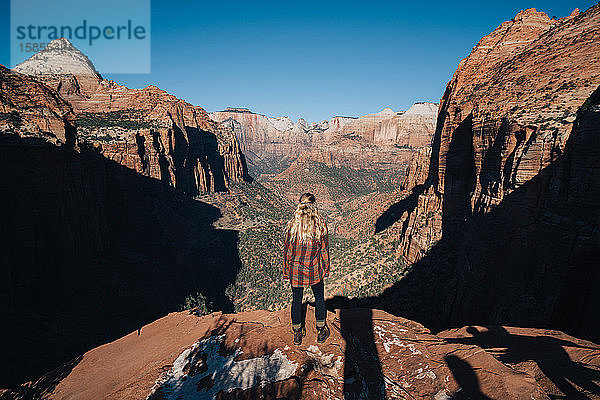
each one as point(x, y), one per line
point(91, 251)
point(196, 158)
point(395, 211)
point(530, 261)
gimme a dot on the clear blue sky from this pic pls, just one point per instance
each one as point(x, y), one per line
point(312, 59)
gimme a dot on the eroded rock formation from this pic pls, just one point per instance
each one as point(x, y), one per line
point(370, 141)
point(29, 108)
point(148, 130)
point(510, 196)
point(89, 248)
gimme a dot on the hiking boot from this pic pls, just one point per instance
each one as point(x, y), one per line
point(322, 333)
point(298, 335)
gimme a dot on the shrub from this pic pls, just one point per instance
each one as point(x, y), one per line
point(197, 304)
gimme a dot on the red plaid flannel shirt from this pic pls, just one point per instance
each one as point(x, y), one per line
point(305, 264)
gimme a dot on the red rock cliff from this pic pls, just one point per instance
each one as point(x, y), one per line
point(370, 141)
point(148, 130)
point(89, 248)
point(511, 173)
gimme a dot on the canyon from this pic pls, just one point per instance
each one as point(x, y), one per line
point(464, 236)
point(147, 130)
point(383, 140)
point(504, 210)
point(101, 235)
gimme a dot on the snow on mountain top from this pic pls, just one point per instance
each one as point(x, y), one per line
point(59, 57)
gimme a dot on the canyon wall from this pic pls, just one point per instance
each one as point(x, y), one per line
point(370, 141)
point(271, 144)
point(509, 195)
point(90, 248)
point(411, 128)
point(147, 130)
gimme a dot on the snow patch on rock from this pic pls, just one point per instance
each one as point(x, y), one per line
point(326, 364)
point(200, 372)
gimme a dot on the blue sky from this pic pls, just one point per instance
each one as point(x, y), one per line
point(312, 59)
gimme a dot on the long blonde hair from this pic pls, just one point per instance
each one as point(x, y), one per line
point(307, 223)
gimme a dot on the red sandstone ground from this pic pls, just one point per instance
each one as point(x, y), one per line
point(369, 351)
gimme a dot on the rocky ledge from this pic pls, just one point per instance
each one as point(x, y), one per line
point(370, 354)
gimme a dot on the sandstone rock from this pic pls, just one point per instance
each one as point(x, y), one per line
point(500, 197)
point(58, 57)
point(387, 128)
point(561, 364)
point(249, 355)
point(515, 117)
point(29, 108)
point(77, 222)
point(272, 144)
point(147, 130)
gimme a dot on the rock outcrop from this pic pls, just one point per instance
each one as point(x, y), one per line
point(412, 128)
point(370, 354)
point(29, 108)
point(272, 144)
point(59, 57)
point(147, 130)
point(510, 194)
point(340, 171)
point(89, 248)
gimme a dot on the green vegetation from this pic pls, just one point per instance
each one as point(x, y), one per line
point(102, 138)
point(126, 119)
point(352, 135)
point(259, 283)
point(567, 85)
point(353, 182)
point(12, 118)
point(196, 304)
point(359, 267)
point(367, 267)
point(267, 164)
point(341, 182)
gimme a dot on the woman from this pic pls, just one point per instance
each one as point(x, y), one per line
point(306, 263)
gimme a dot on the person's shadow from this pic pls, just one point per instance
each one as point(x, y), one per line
point(547, 352)
point(362, 368)
point(466, 379)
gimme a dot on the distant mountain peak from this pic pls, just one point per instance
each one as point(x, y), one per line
point(61, 44)
point(422, 108)
point(58, 57)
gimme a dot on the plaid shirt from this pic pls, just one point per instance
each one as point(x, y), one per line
point(305, 264)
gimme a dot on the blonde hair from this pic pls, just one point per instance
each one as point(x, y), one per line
point(307, 223)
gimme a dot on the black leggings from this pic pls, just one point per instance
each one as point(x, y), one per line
point(319, 292)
